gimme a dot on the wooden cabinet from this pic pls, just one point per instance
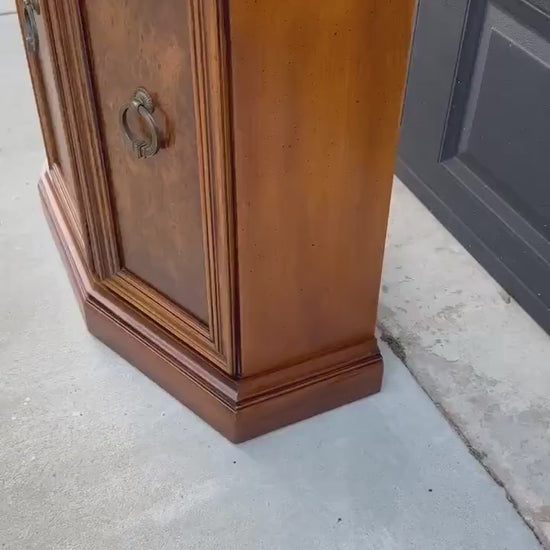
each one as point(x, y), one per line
point(218, 182)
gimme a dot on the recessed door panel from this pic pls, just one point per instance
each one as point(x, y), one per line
point(156, 195)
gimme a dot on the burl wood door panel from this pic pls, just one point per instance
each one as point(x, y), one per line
point(157, 200)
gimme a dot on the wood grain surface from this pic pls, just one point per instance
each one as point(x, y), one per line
point(317, 90)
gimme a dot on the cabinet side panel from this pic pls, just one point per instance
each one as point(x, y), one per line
point(317, 90)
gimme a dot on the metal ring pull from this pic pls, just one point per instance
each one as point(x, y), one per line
point(30, 30)
point(142, 104)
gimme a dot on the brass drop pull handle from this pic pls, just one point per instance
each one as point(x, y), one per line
point(30, 30)
point(142, 104)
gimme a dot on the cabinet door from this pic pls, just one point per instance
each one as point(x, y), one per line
point(162, 216)
point(37, 21)
point(157, 200)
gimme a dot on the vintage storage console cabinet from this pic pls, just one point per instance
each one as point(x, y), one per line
point(218, 179)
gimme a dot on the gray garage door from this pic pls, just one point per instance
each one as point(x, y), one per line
point(475, 144)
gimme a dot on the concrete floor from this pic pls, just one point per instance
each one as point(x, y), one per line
point(474, 350)
point(95, 456)
point(7, 7)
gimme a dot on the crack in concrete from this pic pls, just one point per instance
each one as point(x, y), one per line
point(399, 349)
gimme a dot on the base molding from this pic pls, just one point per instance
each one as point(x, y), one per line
point(240, 409)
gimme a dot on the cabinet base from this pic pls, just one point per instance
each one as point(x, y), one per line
point(240, 409)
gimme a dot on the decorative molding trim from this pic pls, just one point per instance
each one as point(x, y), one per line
point(163, 311)
point(86, 139)
point(211, 80)
point(239, 409)
point(68, 206)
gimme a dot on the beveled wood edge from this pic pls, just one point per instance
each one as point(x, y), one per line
point(84, 135)
point(315, 368)
point(67, 206)
point(163, 312)
point(209, 62)
point(239, 409)
point(202, 129)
